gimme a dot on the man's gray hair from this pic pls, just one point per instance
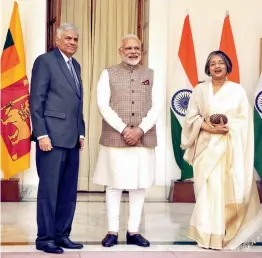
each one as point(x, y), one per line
point(65, 27)
point(128, 36)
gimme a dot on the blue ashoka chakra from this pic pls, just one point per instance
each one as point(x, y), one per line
point(258, 102)
point(180, 101)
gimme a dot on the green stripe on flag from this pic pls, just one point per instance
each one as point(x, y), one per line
point(9, 40)
point(176, 129)
point(258, 142)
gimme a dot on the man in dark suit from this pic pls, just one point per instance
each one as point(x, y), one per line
point(56, 105)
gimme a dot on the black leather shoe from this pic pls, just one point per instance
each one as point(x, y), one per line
point(67, 243)
point(51, 248)
point(110, 240)
point(136, 239)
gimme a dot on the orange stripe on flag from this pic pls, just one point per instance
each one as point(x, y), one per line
point(227, 45)
point(186, 53)
point(9, 59)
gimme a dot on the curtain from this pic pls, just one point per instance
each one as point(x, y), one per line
point(102, 23)
point(78, 12)
point(112, 20)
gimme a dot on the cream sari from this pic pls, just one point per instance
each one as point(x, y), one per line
point(227, 210)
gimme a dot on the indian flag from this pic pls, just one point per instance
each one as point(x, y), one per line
point(258, 128)
point(227, 45)
point(185, 79)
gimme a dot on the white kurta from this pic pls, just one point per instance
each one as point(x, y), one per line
point(125, 168)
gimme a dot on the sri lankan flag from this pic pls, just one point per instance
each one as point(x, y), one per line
point(15, 116)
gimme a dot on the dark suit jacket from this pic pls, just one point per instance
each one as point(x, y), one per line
point(56, 106)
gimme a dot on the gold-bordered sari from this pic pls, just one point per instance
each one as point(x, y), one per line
point(227, 210)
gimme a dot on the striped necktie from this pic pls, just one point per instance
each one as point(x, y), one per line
point(73, 73)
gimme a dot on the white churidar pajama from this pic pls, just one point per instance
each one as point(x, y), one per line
point(136, 202)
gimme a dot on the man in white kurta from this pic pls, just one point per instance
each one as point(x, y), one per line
point(130, 105)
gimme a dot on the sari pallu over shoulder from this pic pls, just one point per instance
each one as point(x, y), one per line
point(193, 140)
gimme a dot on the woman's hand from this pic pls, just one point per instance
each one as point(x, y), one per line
point(219, 128)
point(215, 128)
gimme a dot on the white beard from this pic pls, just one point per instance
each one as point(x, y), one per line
point(131, 62)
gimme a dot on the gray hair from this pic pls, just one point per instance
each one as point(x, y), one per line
point(128, 36)
point(65, 27)
point(225, 58)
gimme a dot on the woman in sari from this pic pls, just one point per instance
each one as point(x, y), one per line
point(227, 210)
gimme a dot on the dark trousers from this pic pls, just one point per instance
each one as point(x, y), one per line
point(57, 192)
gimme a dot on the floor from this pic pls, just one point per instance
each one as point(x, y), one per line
point(156, 251)
point(162, 224)
point(90, 223)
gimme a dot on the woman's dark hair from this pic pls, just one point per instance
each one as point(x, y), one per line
point(225, 58)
